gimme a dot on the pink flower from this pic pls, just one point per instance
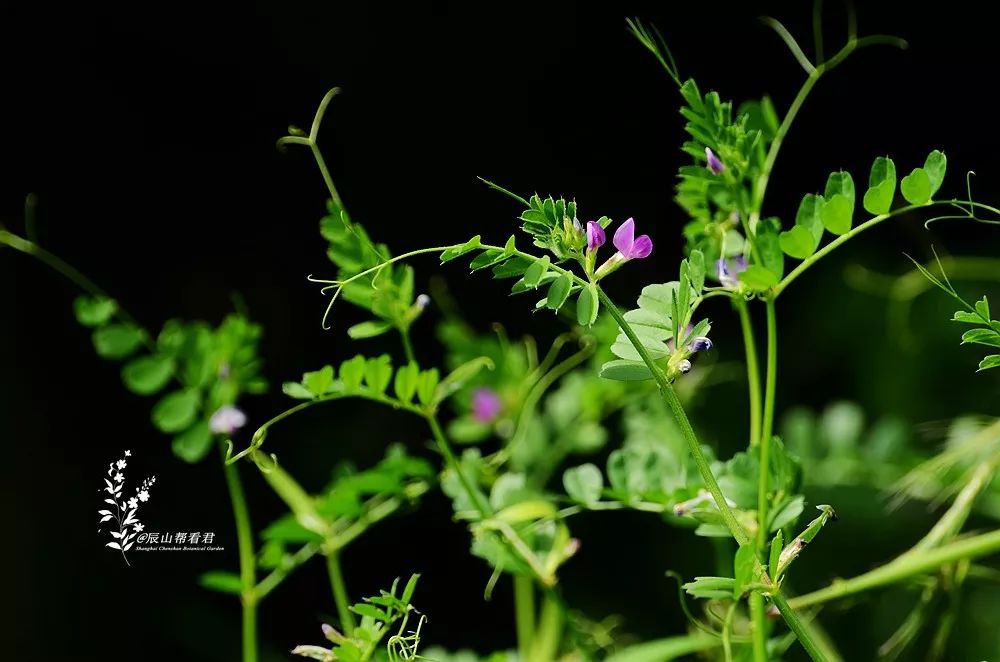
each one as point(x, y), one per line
point(486, 405)
point(595, 236)
point(227, 420)
point(628, 245)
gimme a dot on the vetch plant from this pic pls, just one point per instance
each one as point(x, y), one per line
point(514, 423)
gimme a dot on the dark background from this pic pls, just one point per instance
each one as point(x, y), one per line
point(148, 135)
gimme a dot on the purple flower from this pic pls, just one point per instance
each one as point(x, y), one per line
point(628, 245)
point(714, 164)
point(423, 301)
point(595, 236)
point(700, 344)
point(486, 405)
point(227, 420)
point(728, 271)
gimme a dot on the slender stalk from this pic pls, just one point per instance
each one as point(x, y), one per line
point(524, 613)
point(449, 456)
point(244, 541)
point(767, 429)
point(802, 633)
point(339, 591)
point(670, 397)
point(404, 336)
point(549, 633)
point(903, 567)
point(278, 575)
point(753, 369)
point(758, 630)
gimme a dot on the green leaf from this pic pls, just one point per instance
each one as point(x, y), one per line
point(837, 214)
point(711, 588)
point(148, 374)
point(378, 373)
point(297, 391)
point(798, 242)
point(787, 513)
point(584, 483)
point(983, 308)
point(94, 311)
point(777, 543)
point(533, 274)
point(194, 443)
point(916, 187)
point(460, 375)
point(458, 251)
point(769, 246)
point(991, 361)
point(881, 186)
point(427, 382)
point(369, 329)
point(405, 384)
point(221, 581)
point(966, 317)
point(982, 336)
point(626, 371)
point(587, 306)
point(488, 258)
point(352, 372)
point(117, 341)
point(759, 278)
point(408, 590)
point(371, 611)
point(558, 292)
point(838, 207)
point(743, 568)
point(935, 167)
point(319, 381)
point(696, 270)
point(176, 411)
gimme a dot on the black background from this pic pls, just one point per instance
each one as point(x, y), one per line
point(148, 135)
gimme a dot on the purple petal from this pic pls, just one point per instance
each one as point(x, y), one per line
point(714, 164)
point(701, 344)
point(486, 405)
point(738, 264)
point(595, 236)
point(227, 420)
point(642, 247)
point(625, 237)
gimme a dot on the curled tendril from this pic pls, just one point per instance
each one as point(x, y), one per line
point(261, 460)
point(969, 210)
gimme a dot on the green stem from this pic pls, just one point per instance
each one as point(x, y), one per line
point(767, 428)
point(244, 541)
point(404, 335)
point(449, 457)
point(758, 630)
point(670, 397)
point(549, 633)
point(903, 567)
point(753, 369)
point(802, 633)
point(524, 612)
point(71, 273)
point(339, 591)
point(279, 574)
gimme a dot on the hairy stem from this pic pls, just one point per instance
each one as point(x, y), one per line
point(802, 633)
point(670, 397)
point(758, 616)
point(244, 541)
point(903, 567)
point(339, 591)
